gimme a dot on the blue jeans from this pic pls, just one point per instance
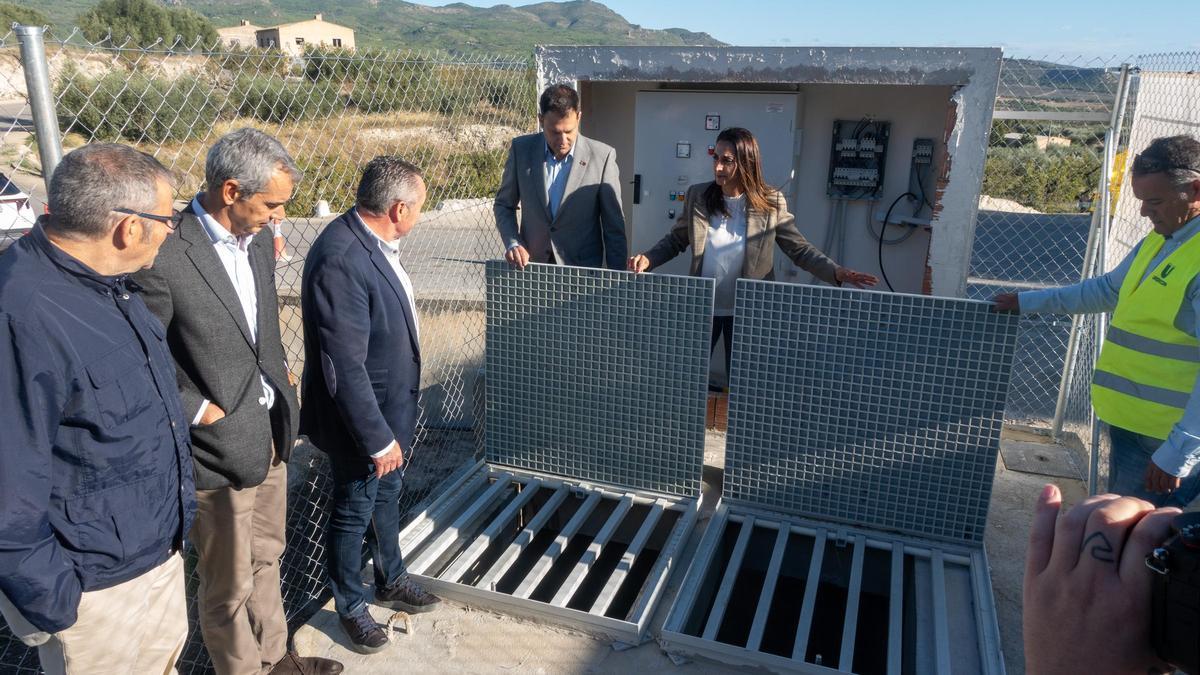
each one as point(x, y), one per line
point(364, 507)
point(1127, 468)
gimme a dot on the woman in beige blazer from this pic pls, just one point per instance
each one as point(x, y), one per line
point(732, 224)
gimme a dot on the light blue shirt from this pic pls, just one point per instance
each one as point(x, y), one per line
point(557, 173)
point(1180, 453)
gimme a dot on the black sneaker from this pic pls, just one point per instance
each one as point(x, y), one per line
point(366, 637)
point(405, 594)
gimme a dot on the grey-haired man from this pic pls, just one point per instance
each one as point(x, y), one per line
point(214, 290)
point(96, 490)
point(361, 401)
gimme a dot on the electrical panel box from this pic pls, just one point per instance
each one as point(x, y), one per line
point(857, 158)
point(923, 151)
point(920, 177)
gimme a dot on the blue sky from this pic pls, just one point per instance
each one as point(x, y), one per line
point(1103, 28)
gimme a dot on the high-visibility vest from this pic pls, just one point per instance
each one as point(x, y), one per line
point(1148, 367)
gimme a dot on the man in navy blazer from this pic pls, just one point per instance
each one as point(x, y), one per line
point(360, 386)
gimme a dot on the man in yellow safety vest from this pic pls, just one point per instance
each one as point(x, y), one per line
point(1145, 386)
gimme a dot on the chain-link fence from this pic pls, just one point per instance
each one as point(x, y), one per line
point(1050, 152)
point(1057, 207)
point(333, 110)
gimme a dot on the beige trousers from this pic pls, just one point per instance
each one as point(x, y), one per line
point(137, 627)
point(239, 538)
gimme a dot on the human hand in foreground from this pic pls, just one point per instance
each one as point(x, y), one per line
point(517, 256)
point(638, 263)
point(845, 275)
point(1087, 589)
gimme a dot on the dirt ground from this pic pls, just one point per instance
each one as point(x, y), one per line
point(461, 639)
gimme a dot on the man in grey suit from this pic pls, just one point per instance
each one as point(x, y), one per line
point(569, 191)
point(214, 291)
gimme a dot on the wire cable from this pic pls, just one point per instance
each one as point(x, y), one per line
point(881, 238)
point(924, 199)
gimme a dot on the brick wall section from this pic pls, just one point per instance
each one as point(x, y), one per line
point(941, 160)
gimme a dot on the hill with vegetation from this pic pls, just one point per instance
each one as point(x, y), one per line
point(395, 24)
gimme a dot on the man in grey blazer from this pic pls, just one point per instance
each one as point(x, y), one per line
point(214, 290)
point(569, 191)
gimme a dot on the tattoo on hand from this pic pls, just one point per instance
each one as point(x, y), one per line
point(1102, 549)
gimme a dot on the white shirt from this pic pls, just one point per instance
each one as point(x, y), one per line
point(724, 252)
point(234, 254)
point(391, 251)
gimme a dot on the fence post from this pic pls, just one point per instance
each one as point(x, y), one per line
point(1091, 260)
point(41, 100)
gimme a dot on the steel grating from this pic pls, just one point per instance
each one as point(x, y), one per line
point(598, 375)
point(882, 410)
point(555, 548)
point(800, 595)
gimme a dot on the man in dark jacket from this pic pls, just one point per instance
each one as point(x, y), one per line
point(214, 290)
point(96, 490)
point(360, 388)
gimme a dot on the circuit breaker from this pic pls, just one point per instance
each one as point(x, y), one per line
point(920, 176)
point(857, 158)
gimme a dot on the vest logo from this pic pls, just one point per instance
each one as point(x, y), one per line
point(1161, 277)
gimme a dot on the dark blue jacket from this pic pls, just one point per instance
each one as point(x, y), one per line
point(363, 364)
point(95, 470)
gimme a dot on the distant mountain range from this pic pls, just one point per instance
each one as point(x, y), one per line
point(508, 30)
point(394, 24)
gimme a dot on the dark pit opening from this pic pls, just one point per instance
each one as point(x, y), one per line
point(747, 588)
point(874, 605)
point(576, 546)
point(541, 541)
point(606, 563)
point(779, 635)
point(631, 589)
point(786, 604)
point(707, 592)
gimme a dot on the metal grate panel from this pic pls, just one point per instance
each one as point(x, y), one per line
point(882, 410)
point(564, 550)
point(598, 375)
point(799, 595)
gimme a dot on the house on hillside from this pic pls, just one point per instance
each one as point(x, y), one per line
point(315, 32)
point(1045, 141)
point(240, 36)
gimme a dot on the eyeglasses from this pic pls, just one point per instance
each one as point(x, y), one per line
point(171, 221)
point(1144, 164)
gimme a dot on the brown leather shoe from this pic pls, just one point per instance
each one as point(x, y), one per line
point(292, 664)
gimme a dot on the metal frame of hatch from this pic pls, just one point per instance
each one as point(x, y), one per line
point(933, 637)
point(460, 534)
